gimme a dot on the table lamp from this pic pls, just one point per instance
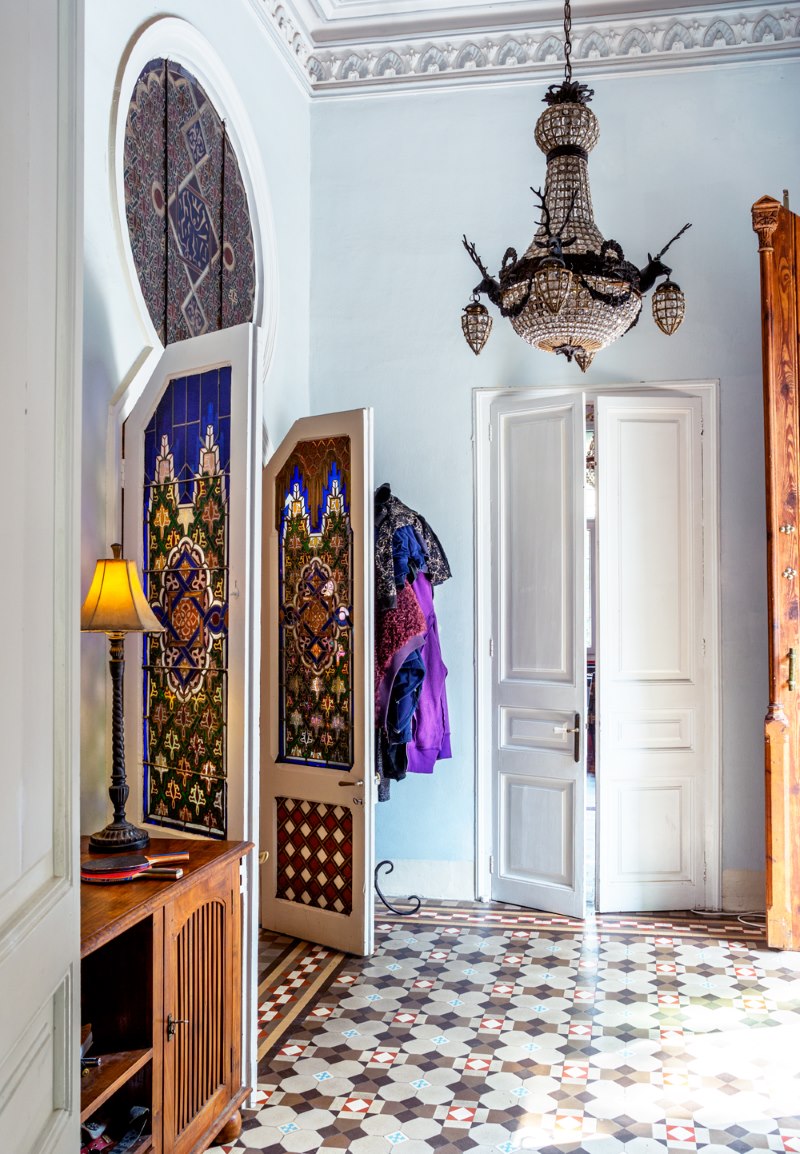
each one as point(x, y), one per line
point(116, 605)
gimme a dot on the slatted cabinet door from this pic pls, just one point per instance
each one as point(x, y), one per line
point(202, 1008)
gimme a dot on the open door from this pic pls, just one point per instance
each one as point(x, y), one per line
point(651, 671)
point(537, 652)
point(778, 232)
point(192, 505)
point(317, 778)
point(41, 231)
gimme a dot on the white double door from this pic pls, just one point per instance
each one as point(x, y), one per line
point(654, 769)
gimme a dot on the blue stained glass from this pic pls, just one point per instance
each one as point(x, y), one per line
point(177, 418)
point(193, 399)
point(149, 447)
point(179, 400)
point(225, 442)
point(210, 397)
point(225, 391)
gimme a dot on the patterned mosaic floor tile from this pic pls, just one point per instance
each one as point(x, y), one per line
point(489, 1030)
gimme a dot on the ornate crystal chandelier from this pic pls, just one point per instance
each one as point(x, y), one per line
point(571, 292)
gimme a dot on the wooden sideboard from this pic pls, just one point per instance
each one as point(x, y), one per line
point(161, 986)
point(778, 232)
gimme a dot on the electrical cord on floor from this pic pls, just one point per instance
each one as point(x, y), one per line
point(758, 923)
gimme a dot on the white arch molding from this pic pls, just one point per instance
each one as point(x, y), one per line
point(179, 41)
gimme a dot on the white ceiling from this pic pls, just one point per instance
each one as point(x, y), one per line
point(359, 46)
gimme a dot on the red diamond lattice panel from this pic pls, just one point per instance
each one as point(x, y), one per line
point(315, 854)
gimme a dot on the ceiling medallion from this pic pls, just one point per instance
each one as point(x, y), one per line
point(571, 292)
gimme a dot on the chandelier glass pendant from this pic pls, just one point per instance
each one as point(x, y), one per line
point(572, 292)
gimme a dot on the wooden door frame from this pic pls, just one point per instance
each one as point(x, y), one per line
point(778, 232)
point(708, 391)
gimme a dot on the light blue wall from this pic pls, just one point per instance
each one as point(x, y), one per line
point(278, 112)
point(370, 198)
point(395, 181)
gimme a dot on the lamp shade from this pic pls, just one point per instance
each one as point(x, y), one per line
point(116, 602)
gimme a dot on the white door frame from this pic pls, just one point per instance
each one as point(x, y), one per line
point(120, 409)
point(708, 392)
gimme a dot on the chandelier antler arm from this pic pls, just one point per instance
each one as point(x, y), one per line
point(670, 243)
point(476, 260)
point(655, 266)
point(555, 240)
point(488, 285)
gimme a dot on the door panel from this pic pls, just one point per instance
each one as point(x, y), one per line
point(538, 660)
point(650, 675)
point(41, 230)
point(317, 778)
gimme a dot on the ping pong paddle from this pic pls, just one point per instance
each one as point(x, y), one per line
point(135, 875)
point(125, 867)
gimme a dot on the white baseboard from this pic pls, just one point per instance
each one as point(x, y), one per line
point(455, 881)
point(434, 880)
point(743, 890)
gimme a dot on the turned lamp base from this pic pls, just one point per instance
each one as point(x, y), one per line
point(116, 605)
point(119, 837)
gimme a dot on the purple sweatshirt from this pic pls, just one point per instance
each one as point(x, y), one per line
point(431, 740)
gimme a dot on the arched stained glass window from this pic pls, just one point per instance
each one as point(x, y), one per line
point(186, 207)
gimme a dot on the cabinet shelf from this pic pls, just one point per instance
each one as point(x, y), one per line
point(144, 1147)
point(100, 1082)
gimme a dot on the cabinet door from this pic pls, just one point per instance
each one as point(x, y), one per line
point(202, 1008)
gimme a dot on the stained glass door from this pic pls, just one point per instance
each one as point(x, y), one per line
point(317, 782)
point(192, 505)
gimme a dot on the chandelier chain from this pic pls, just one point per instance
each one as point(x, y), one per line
point(567, 41)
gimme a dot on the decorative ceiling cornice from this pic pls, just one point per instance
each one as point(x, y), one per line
point(331, 60)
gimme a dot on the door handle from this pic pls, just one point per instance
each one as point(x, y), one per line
point(576, 729)
point(172, 1023)
point(350, 784)
point(792, 682)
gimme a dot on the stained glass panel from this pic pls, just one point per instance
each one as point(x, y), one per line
point(315, 604)
point(186, 546)
point(186, 207)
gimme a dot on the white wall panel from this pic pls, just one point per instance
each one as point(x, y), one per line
point(537, 822)
point(649, 832)
point(654, 729)
point(654, 580)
